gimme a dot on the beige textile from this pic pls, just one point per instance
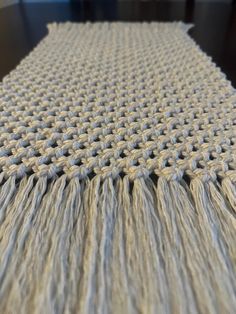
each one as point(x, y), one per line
point(118, 172)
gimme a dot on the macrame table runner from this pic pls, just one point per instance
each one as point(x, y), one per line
point(117, 157)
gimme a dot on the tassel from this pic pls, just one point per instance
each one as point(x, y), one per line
point(197, 283)
point(174, 255)
point(107, 208)
point(88, 281)
point(65, 252)
point(16, 230)
point(229, 190)
point(226, 221)
point(121, 290)
point(211, 236)
point(7, 191)
point(150, 296)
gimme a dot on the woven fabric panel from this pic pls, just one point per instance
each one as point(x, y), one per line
point(117, 98)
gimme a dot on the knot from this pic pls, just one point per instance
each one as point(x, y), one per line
point(170, 173)
point(108, 172)
point(80, 172)
point(137, 172)
point(231, 174)
point(19, 171)
point(48, 171)
point(204, 175)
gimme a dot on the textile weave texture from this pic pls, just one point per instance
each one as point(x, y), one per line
point(117, 174)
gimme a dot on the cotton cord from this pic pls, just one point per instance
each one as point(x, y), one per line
point(117, 175)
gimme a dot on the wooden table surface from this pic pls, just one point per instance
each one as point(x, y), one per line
point(22, 26)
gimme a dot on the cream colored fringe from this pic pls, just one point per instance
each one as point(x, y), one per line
point(117, 246)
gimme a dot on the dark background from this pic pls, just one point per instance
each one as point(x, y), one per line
point(22, 26)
